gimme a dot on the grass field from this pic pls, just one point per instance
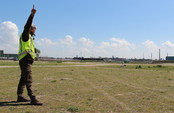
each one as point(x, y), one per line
point(91, 88)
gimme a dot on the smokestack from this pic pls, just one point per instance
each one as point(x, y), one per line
point(159, 54)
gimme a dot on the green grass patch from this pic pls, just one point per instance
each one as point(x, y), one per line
point(73, 109)
point(92, 88)
point(54, 81)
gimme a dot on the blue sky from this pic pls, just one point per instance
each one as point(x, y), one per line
point(123, 28)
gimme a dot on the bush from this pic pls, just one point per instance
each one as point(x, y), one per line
point(169, 79)
point(160, 66)
point(59, 61)
point(138, 67)
point(73, 109)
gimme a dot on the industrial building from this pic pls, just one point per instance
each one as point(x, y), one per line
point(170, 58)
point(8, 56)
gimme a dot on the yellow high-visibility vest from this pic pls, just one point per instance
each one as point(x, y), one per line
point(26, 48)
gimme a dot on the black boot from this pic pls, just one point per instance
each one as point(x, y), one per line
point(22, 99)
point(34, 101)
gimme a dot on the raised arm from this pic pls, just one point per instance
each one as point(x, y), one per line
point(26, 31)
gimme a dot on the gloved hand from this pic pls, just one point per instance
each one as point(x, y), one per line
point(33, 11)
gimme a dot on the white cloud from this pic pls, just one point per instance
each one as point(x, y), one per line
point(168, 45)
point(168, 48)
point(63, 47)
point(150, 45)
point(105, 44)
point(86, 41)
point(68, 40)
point(118, 44)
point(46, 42)
point(9, 37)
point(67, 47)
point(116, 47)
point(122, 44)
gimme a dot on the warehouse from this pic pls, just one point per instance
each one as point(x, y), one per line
point(170, 58)
point(8, 56)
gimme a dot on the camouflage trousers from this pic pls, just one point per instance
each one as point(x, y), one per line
point(26, 78)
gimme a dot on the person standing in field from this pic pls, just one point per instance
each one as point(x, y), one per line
point(26, 58)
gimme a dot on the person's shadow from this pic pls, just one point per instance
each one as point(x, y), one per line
point(13, 103)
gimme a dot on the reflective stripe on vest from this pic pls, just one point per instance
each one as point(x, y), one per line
point(25, 52)
point(26, 48)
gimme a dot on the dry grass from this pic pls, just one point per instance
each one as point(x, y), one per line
point(92, 89)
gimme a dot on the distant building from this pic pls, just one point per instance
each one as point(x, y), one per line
point(1, 53)
point(8, 56)
point(170, 58)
